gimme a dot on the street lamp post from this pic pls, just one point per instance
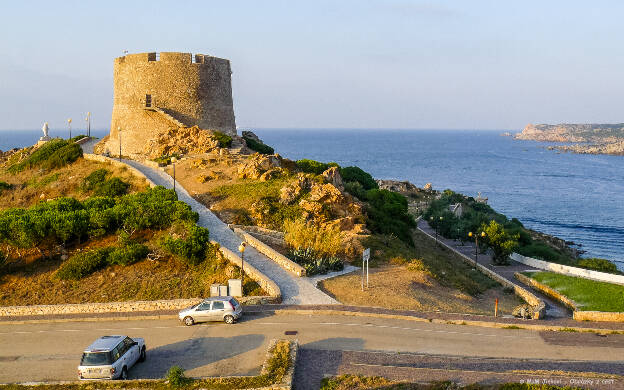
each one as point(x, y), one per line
point(69, 121)
point(119, 135)
point(476, 236)
point(173, 161)
point(241, 249)
point(436, 229)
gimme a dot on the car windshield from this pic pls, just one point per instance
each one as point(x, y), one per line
point(95, 359)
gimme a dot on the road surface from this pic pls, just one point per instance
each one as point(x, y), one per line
point(329, 344)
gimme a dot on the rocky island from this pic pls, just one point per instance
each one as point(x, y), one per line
point(588, 138)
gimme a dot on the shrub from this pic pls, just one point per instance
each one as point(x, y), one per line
point(193, 247)
point(502, 243)
point(5, 186)
point(355, 189)
point(597, 264)
point(315, 263)
point(39, 156)
point(94, 179)
point(387, 214)
point(77, 138)
point(356, 174)
point(166, 159)
point(325, 241)
point(112, 187)
point(258, 146)
point(542, 251)
point(127, 254)
point(311, 166)
point(176, 378)
point(3, 261)
point(83, 264)
point(63, 156)
point(225, 141)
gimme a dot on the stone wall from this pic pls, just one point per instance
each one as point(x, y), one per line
point(567, 270)
point(539, 307)
point(186, 89)
point(272, 254)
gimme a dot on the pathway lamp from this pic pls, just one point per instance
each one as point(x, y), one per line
point(69, 121)
point(119, 135)
point(476, 237)
point(241, 249)
point(436, 229)
point(173, 161)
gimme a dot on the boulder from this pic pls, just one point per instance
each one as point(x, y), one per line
point(428, 187)
point(523, 311)
point(257, 165)
point(293, 191)
point(332, 175)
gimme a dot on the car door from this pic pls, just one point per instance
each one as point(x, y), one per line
point(217, 311)
point(132, 352)
point(202, 312)
point(119, 358)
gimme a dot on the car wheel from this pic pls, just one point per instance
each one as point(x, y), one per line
point(228, 319)
point(188, 321)
point(143, 356)
point(124, 374)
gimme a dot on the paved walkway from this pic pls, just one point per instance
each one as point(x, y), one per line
point(295, 290)
point(554, 309)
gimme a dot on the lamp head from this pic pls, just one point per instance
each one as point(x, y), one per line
point(469, 234)
point(241, 247)
point(482, 234)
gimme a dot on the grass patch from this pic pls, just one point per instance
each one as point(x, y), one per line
point(588, 294)
point(258, 147)
point(512, 327)
point(571, 330)
point(225, 141)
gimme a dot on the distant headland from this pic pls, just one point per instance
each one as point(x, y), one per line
point(589, 138)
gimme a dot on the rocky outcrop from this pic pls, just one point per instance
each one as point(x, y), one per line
point(182, 141)
point(295, 190)
point(332, 175)
point(597, 138)
point(261, 166)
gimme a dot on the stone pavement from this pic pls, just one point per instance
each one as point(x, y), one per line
point(295, 290)
point(554, 309)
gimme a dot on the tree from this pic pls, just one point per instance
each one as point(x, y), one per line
point(502, 243)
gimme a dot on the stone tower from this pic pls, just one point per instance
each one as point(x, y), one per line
point(154, 92)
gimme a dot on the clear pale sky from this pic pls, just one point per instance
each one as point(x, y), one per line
point(328, 63)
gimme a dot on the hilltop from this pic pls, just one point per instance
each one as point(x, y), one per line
point(589, 138)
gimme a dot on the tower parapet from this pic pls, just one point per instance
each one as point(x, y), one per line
point(154, 92)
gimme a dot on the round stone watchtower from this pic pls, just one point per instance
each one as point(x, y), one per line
point(154, 92)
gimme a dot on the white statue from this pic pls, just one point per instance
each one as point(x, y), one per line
point(45, 130)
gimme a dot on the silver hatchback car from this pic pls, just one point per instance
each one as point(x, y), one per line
point(226, 309)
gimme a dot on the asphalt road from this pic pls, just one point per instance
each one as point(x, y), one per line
point(50, 352)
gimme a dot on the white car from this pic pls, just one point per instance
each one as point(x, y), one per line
point(110, 357)
point(226, 309)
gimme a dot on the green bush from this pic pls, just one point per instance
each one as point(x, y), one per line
point(166, 159)
point(193, 247)
point(315, 263)
point(539, 250)
point(77, 138)
point(39, 156)
point(356, 174)
point(5, 186)
point(3, 261)
point(63, 156)
point(176, 378)
point(94, 179)
point(258, 146)
point(355, 189)
point(311, 166)
point(83, 264)
point(387, 214)
point(597, 264)
point(225, 141)
point(127, 254)
point(112, 187)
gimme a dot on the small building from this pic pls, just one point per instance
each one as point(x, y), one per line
point(481, 199)
point(457, 209)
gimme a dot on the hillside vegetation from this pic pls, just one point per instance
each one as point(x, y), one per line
point(104, 231)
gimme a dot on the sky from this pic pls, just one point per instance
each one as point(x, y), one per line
point(329, 63)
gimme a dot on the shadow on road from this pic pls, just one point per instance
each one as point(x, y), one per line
point(194, 353)
point(320, 358)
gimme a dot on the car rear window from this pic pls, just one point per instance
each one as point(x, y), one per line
point(234, 302)
point(95, 359)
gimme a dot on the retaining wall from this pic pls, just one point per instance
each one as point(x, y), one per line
point(539, 307)
point(567, 270)
point(579, 315)
point(272, 254)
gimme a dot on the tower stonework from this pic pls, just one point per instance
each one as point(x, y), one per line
point(154, 92)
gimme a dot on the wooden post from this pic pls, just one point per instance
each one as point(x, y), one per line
point(496, 308)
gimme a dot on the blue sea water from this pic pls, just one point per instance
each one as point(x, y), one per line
point(576, 197)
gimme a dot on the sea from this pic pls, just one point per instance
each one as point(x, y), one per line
point(579, 198)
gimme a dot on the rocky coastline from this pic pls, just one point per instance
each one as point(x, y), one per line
point(586, 138)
